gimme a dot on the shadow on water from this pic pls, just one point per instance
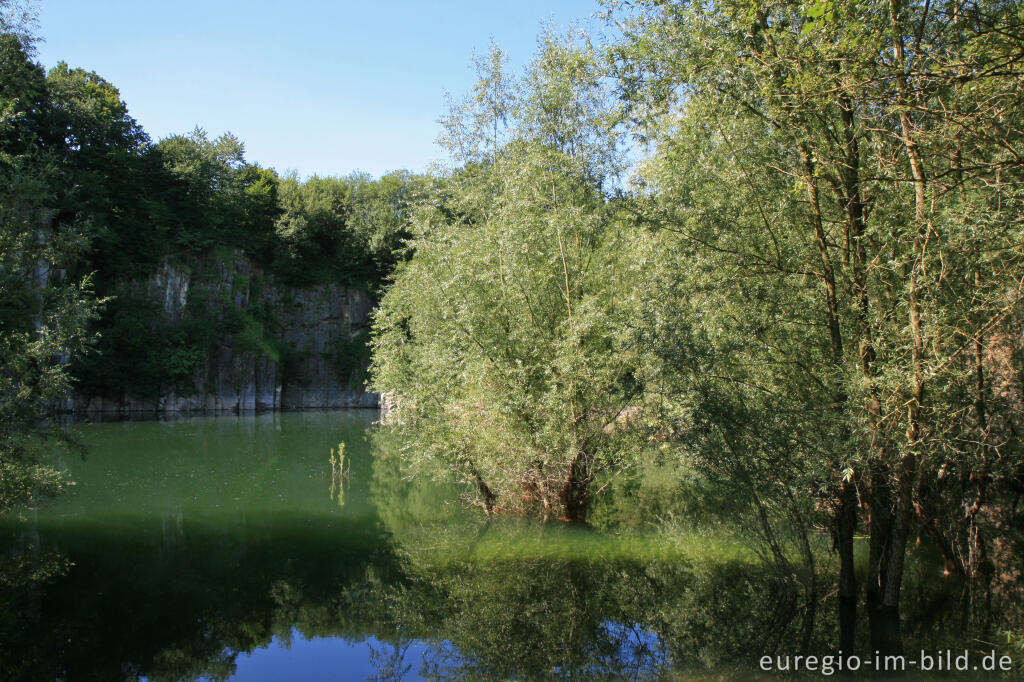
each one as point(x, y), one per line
point(222, 549)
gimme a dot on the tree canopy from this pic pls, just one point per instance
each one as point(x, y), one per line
point(44, 313)
point(812, 286)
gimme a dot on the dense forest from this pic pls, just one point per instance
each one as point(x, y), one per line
point(776, 244)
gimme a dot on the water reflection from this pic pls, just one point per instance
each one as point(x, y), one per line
point(227, 549)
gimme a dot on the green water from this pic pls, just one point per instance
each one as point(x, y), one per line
point(219, 468)
point(225, 548)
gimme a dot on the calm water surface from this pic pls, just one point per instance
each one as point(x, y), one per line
point(223, 548)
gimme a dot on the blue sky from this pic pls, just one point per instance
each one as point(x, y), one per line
point(315, 86)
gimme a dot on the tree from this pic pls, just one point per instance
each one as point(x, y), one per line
point(509, 337)
point(215, 197)
point(108, 174)
point(892, 120)
point(346, 229)
point(43, 313)
point(380, 213)
point(313, 228)
point(19, 18)
point(510, 341)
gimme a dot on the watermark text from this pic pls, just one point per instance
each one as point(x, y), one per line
point(935, 661)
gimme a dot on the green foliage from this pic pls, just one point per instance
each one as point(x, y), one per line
point(250, 333)
point(44, 314)
point(189, 203)
point(848, 263)
point(312, 227)
point(215, 197)
point(344, 229)
point(380, 213)
point(19, 19)
point(142, 352)
point(509, 338)
point(811, 294)
point(89, 117)
point(109, 174)
point(23, 92)
point(662, 492)
point(477, 126)
point(350, 357)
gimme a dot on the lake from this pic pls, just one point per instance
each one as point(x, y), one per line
point(225, 548)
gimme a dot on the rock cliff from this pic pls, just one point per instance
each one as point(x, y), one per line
point(285, 347)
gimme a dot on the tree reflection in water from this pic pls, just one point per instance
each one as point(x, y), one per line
point(418, 588)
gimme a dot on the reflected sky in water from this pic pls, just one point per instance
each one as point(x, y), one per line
point(225, 548)
point(328, 659)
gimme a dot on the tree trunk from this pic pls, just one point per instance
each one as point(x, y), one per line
point(575, 495)
point(485, 490)
point(845, 519)
point(894, 499)
point(883, 615)
point(846, 526)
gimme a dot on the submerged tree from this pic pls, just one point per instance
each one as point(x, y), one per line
point(882, 145)
point(509, 337)
point(510, 341)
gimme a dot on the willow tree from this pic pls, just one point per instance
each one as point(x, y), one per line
point(897, 126)
point(509, 339)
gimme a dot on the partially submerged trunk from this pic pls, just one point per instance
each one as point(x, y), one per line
point(845, 511)
point(486, 494)
point(846, 526)
point(893, 478)
point(575, 494)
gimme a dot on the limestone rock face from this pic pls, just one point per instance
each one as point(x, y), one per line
point(317, 322)
point(303, 347)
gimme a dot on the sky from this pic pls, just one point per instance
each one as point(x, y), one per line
point(313, 86)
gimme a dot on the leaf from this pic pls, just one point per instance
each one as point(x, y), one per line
point(818, 9)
